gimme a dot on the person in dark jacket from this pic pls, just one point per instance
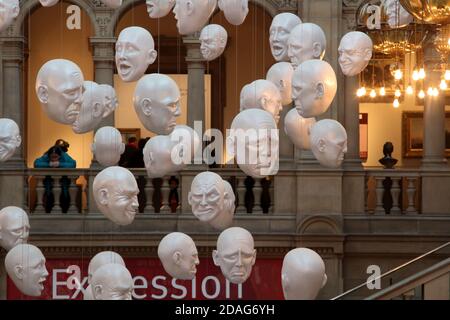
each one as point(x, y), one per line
point(55, 157)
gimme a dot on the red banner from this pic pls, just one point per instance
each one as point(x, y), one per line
point(151, 282)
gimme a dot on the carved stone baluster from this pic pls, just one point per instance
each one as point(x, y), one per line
point(266, 198)
point(412, 189)
point(40, 190)
point(74, 196)
point(257, 196)
point(157, 194)
point(174, 195)
point(249, 195)
point(395, 193)
point(148, 190)
point(57, 192)
point(165, 191)
point(142, 196)
point(379, 192)
point(240, 195)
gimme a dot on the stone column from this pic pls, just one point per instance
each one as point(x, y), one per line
point(351, 122)
point(434, 113)
point(13, 107)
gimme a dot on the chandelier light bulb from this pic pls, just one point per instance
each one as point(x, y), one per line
point(382, 91)
point(447, 75)
point(421, 94)
point(373, 93)
point(398, 74)
point(396, 103)
point(415, 75)
point(443, 85)
point(435, 92)
point(430, 91)
point(409, 90)
point(398, 93)
point(422, 74)
point(359, 93)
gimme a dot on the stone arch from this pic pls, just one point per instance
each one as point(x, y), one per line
point(27, 6)
point(318, 225)
point(268, 6)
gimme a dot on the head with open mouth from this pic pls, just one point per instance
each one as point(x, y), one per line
point(178, 255)
point(355, 52)
point(115, 193)
point(10, 138)
point(135, 51)
point(329, 142)
point(282, 25)
point(25, 265)
point(59, 88)
point(159, 8)
point(157, 103)
point(14, 227)
point(235, 254)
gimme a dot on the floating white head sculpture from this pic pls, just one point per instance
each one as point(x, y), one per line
point(159, 155)
point(282, 25)
point(112, 281)
point(135, 51)
point(187, 143)
point(254, 141)
point(59, 88)
point(92, 108)
point(280, 74)
point(157, 103)
point(110, 99)
point(9, 10)
point(14, 227)
point(114, 4)
point(235, 254)
point(307, 41)
point(207, 196)
point(179, 256)
point(235, 11)
point(25, 265)
point(159, 8)
point(100, 259)
point(224, 219)
point(397, 16)
point(298, 129)
point(115, 192)
point(48, 3)
point(262, 94)
point(10, 138)
point(314, 87)
point(302, 274)
point(213, 40)
point(108, 146)
point(329, 142)
point(355, 52)
point(192, 15)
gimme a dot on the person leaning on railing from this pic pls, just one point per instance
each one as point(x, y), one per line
point(55, 157)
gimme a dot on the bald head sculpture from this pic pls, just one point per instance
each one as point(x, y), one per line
point(10, 138)
point(192, 15)
point(262, 94)
point(280, 29)
point(235, 11)
point(329, 142)
point(355, 52)
point(307, 41)
point(235, 254)
point(108, 146)
point(112, 281)
point(14, 227)
point(59, 88)
point(213, 40)
point(10, 11)
point(206, 196)
point(280, 74)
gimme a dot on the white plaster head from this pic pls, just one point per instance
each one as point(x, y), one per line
point(101, 259)
point(254, 141)
point(135, 51)
point(262, 94)
point(314, 87)
point(108, 146)
point(158, 153)
point(280, 74)
point(302, 274)
point(397, 16)
point(206, 196)
point(280, 29)
point(298, 129)
point(59, 88)
point(9, 10)
point(115, 192)
point(235, 254)
point(159, 8)
point(178, 255)
point(329, 142)
point(48, 3)
point(110, 101)
point(92, 108)
point(14, 227)
point(213, 40)
point(157, 103)
point(10, 138)
point(113, 4)
point(235, 11)
point(192, 15)
point(355, 52)
point(25, 265)
point(307, 41)
point(224, 219)
point(187, 143)
point(112, 281)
